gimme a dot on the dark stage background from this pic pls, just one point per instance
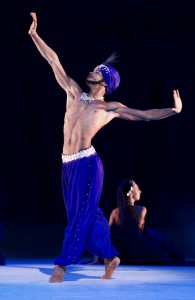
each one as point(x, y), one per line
point(155, 41)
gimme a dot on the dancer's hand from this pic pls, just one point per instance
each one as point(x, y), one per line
point(33, 27)
point(177, 101)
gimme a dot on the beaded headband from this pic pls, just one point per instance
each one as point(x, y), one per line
point(131, 188)
point(111, 77)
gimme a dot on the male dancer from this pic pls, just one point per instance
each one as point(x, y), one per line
point(82, 171)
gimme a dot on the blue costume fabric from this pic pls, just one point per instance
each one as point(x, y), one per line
point(87, 228)
point(147, 247)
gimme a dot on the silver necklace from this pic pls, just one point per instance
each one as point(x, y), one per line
point(84, 97)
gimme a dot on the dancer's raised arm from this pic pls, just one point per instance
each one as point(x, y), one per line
point(67, 83)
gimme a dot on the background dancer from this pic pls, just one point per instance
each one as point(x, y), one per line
point(136, 242)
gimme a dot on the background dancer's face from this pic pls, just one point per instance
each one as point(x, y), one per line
point(135, 193)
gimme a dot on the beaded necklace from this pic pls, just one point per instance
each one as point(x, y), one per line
point(84, 97)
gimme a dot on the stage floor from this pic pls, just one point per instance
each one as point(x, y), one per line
point(28, 279)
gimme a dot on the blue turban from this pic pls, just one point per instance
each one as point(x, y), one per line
point(111, 77)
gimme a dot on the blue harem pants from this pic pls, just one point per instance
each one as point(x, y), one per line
point(87, 228)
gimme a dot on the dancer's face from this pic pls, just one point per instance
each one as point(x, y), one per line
point(136, 192)
point(95, 76)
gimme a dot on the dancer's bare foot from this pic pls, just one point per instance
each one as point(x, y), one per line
point(110, 266)
point(57, 275)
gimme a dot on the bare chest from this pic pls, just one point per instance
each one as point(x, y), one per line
point(85, 113)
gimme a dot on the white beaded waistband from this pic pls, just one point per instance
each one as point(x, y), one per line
point(83, 153)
